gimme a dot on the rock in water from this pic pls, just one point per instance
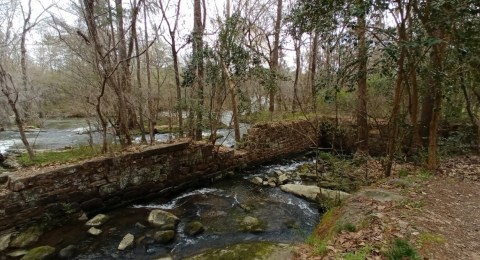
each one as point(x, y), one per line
point(162, 219)
point(98, 220)
point(164, 236)
point(126, 242)
point(194, 228)
point(39, 253)
point(256, 180)
point(68, 252)
point(251, 224)
point(94, 231)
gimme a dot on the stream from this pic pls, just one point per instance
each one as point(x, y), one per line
point(220, 207)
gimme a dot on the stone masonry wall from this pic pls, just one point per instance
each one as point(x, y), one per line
point(107, 182)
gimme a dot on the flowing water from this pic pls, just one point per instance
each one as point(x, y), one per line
point(220, 207)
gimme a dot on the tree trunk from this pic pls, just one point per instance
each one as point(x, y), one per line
point(275, 56)
point(298, 69)
point(362, 57)
point(123, 86)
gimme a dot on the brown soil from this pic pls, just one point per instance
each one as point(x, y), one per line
point(438, 214)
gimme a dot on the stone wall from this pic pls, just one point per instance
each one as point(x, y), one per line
point(265, 142)
point(102, 183)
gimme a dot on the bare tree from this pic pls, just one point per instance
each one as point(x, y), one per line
point(11, 93)
point(172, 31)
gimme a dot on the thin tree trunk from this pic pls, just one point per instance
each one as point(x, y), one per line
point(394, 118)
point(8, 89)
point(139, 85)
point(199, 69)
point(362, 56)
point(313, 69)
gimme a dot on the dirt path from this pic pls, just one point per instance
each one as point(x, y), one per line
point(438, 214)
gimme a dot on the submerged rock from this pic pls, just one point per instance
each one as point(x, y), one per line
point(162, 219)
point(39, 253)
point(94, 231)
point(311, 192)
point(126, 242)
point(194, 228)
point(27, 237)
point(164, 236)
point(98, 220)
point(68, 252)
point(251, 224)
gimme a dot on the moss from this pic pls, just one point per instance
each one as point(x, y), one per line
point(39, 253)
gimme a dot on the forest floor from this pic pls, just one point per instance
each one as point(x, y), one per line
point(438, 214)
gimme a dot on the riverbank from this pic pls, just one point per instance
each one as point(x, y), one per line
point(413, 214)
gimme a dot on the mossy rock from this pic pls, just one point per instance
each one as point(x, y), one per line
point(258, 250)
point(164, 236)
point(40, 253)
point(194, 228)
point(27, 237)
point(162, 219)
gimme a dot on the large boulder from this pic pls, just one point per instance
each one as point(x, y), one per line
point(97, 221)
point(40, 253)
point(164, 236)
point(126, 242)
point(311, 192)
point(11, 162)
point(162, 219)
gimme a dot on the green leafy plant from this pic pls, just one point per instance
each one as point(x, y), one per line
point(403, 173)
